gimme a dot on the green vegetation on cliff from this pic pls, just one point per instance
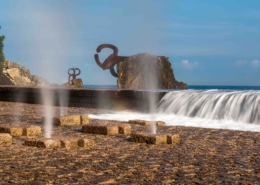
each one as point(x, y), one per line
point(1, 50)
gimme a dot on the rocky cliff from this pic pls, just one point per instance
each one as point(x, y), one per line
point(145, 71)
point(12, 74)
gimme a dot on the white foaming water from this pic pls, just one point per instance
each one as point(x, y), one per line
point(47, 100)
point(239, 106)
point(173, 120)
point(234, 110)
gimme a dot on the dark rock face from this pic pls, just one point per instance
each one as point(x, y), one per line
point(25, 72)
point(40, 81)
point(145, 71)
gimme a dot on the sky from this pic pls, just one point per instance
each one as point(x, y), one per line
point(207, 42)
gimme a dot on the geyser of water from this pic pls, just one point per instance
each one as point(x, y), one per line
point(47, 101)
point(152, 75)
point(63, 101)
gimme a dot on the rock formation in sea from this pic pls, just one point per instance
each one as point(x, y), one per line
point(145, 71)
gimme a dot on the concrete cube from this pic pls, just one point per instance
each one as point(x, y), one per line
point(5, 139)
point(84, 119)
point(148, 138)
point(124, 129)
point(173, 139)
point(86, 143)
point(160, 123)
point(68, 143)
point(32, 131)
point(68, 120)
point(139, 122)
point(48, 143)
point(30, 142)
point(100, 129)
point(13, 131)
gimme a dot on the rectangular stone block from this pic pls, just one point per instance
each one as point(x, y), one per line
point(100, 129)
point(86, 143)
point(140, 137)
point(5, 139)
point(48, 143)
point(160, 123)
point(30, 142)
point(68, 143)
point(173, 139)
point(124, 129)
point(84, 119)
point(69, 120)
point(13, 131)
point(139, 122)
point(32, 131)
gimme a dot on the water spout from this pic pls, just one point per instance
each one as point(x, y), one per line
point(47, 101)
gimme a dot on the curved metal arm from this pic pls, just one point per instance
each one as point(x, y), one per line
point(112, 71)
point(102, 46)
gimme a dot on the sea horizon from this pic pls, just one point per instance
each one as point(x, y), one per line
point(192, 87)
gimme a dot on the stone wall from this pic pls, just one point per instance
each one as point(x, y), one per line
point(112, 99)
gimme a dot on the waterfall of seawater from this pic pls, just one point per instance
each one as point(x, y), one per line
point(240, 106)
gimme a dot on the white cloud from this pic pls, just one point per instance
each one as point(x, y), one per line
point(241, 63)
point(255, 63)
point(188, 65)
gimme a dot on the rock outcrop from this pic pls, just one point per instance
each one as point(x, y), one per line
point(75, 83)
point(13, 74)
point(145, 71)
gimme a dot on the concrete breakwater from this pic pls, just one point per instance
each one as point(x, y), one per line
point(113, 99)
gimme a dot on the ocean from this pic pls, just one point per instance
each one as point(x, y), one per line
point(194, 87)
point(219, 107)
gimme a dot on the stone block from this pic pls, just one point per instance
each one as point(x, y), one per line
point(69, 120)
point(68, 143)
point(5, 139)
point(148, 138)
point(145, 123)
point(124, 129)
point(32, 131)
point(86, 143)
point(84, 119)
point(48, 143)
point(100, 129)
point(139, 122)
point(160, 123)
point(173, 139)
point(13, 131)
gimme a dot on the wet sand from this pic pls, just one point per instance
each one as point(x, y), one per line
point(204, 156)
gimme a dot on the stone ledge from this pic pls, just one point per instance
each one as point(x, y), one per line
point(69, 120)
point(5, 139)
point(145, 123)
point(51, 143)
point(148, 138)
point(21, 131)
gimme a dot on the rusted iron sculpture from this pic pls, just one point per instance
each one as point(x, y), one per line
point(73, 74)
point(111, 60)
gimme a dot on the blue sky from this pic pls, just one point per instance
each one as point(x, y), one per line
point(207, 42)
